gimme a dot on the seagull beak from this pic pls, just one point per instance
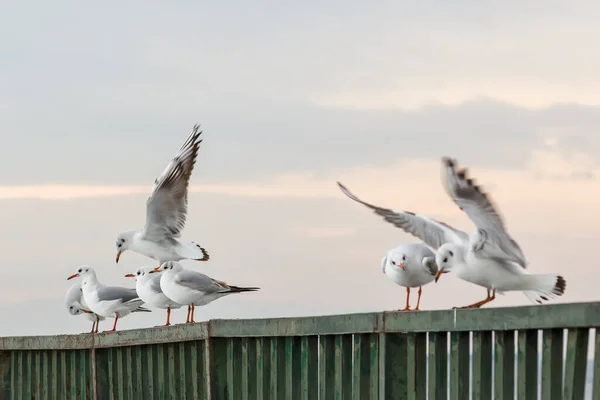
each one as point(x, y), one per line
point(130, 276)
point(440, 272)
point(86, 311)
point(401, 265)
point(155, 270)
point(73, 276)
point(118, 255)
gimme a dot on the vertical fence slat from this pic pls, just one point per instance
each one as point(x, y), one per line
point(309, 367)
point(482, 365)
point(274, 368)
point(596, 373)
point(527, 378)
point(326, 367)
point(396, 366)
point(343, 367)
point(460, 362)
point(504, 365)
point(366, 366)
point(244, 369)
point(261, 369)
point(438, 365)
point(576, 363)
point(552, 345)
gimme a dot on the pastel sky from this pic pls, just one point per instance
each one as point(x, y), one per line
point(96, 97)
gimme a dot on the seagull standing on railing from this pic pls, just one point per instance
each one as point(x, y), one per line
point(166, 211)
point(410, 265)
point(193, 288)
point(76, 305)
point(489, 257)
point(147, 286)
point(107, 301)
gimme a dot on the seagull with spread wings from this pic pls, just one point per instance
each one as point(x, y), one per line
point(166, 211)
point(489, 257)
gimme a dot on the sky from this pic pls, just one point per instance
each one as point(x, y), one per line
point(97, 97)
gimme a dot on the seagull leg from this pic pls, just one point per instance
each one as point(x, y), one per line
point(187, 319)
point(192, 317)
point(93, 326)
point(97, 323)
point(419, 298)
point(482, 302)
point(407, 308)
point(168, 318)
point(114, 326)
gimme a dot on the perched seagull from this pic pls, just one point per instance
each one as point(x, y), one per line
point(410, 265)
point(193, 288)
point(77, 305)
point(489, 257)
point(166, 211)
point(107, 301)
point(147, 286)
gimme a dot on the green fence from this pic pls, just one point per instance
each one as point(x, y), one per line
point(500, 353)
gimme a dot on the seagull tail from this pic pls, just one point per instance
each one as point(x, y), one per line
point(142, 309)
point(239, 289)
point(192, 251)
point(544, 287)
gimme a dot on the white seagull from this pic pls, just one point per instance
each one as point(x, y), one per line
point(489, 257)
point(147, 286)
point(166, 211)
point(107, 301)
point(193, 288)
point(410, 265)
point(76, 305)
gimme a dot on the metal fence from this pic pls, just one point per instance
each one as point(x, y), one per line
point(534, 352)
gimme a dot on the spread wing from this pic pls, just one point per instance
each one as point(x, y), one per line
point(166, 208)
point(431, 232)
point(493, 240)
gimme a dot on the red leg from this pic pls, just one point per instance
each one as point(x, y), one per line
point(115, 325)
point(407, 300)
point(482, 302)
point(419, 298)
point(187, 319)
point(192, 317)
point(97, 323)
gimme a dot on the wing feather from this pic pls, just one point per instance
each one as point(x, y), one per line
point(166, 208)
point(431, 232)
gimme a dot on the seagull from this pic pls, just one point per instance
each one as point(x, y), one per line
point(193, 288)
point(107, 301)
point(148, 289)
point(166, 212)
point(77, 305)
point(410, 265)
point(489, 257)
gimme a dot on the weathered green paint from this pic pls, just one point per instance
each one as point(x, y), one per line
point(361, 356)
point(527, 368)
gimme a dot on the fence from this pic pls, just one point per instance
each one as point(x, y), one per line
point(480, 354)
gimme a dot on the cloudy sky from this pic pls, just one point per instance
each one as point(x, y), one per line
point(97, 97)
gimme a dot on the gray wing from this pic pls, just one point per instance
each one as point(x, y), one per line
point(494, 241)
point(111, 293)
point(431, 266)
point(433, 233)
point(155, 283)
point(166, 208)
point(200, 282)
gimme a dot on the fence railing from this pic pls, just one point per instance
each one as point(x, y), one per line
point(547, 352)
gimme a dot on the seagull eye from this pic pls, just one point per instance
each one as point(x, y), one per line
point(451, 253)
point(403, 258)
point(393, 262)
point(445, 259)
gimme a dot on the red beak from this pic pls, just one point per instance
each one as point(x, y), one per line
point(130, 276)
point(73, 276)
point(155, 270)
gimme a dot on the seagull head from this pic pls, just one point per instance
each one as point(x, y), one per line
point(397, 259)
point(141, 273)
point(83, 271)
point(76, 309)
point(169, 266)
point(123, 241)
point(445, 258)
